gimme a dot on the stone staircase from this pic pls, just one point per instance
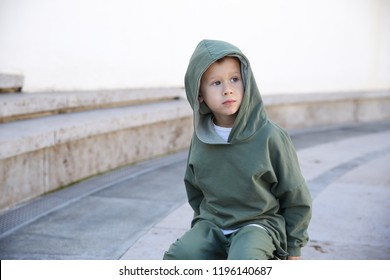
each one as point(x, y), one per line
point(314, 110)
point(11, 83)
point(53, 139)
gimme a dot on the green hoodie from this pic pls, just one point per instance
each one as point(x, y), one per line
point(255, 177)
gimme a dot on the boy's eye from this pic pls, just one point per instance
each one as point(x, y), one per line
point(235, 79)
point(216, 83)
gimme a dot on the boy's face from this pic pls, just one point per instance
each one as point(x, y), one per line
point(222, 89)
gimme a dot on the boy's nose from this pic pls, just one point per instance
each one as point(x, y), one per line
point(227, 91)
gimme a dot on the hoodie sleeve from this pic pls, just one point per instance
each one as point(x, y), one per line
point(292, 192)
point(194, 194)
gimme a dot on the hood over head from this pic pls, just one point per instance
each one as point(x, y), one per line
point(251, 116)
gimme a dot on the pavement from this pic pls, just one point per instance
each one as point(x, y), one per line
point(136, 212)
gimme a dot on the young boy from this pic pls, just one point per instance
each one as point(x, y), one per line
point(243, 179)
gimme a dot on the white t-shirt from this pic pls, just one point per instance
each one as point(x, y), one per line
point(223, 132)
point(230, 231)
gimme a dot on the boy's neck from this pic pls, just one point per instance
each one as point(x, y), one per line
point(226, 121)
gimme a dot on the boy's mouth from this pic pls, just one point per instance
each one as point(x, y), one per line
point(229, 101)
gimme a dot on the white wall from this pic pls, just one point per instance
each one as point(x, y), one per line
point(301, 46)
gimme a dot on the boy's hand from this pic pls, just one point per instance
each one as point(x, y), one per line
point(293, 258)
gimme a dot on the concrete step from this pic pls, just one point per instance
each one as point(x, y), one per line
point(11, 83)
point(32, 105)
point(290, 111)
point(40, 155)
point(314, 110)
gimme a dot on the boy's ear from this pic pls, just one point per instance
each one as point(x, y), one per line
point(200, 98)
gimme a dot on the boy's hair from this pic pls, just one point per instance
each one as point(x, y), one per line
point(219, 60)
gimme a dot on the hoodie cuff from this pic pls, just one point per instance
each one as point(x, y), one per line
point(294, 251)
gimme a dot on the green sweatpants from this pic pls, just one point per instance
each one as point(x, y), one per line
point(205, 241)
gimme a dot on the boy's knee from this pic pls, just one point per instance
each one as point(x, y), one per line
point(251, 243)
point(177, 252)
point(199, 243)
